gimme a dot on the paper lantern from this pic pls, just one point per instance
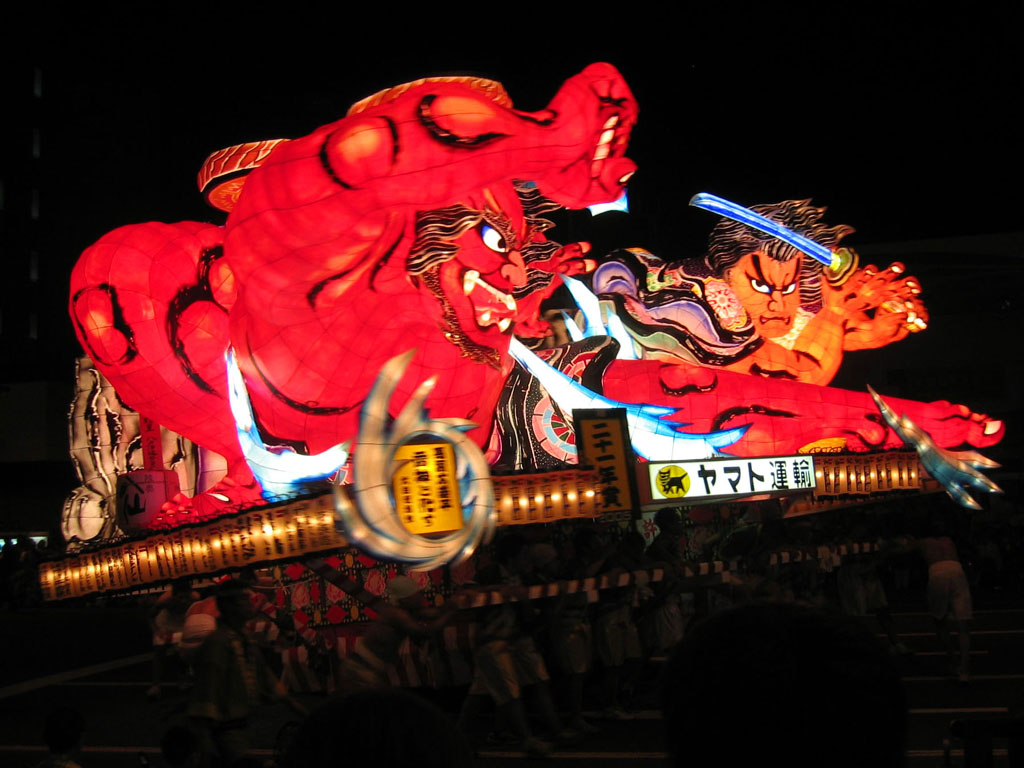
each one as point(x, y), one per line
point(416, 224)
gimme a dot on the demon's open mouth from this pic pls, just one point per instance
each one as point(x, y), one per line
point(491, 306)
point(610, 143)
point(452, 328)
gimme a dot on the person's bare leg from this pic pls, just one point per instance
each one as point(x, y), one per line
point(470, 711)
point(946, 641)
point(612, 684)
point(576, 721)
point(546, 708)
point(630, 675)
point(965, 650)
point(513, 713)
point(889, 627)
point(159, 661)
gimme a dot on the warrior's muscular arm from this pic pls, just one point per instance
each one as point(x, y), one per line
point(869, 310)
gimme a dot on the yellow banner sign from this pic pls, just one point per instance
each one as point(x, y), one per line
point(602, 439)
point(426, 488)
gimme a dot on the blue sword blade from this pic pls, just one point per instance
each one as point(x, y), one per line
point(746, 216)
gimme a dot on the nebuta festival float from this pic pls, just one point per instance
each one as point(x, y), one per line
point(353, 376)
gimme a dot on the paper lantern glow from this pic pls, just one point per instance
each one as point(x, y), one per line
point(416, 223)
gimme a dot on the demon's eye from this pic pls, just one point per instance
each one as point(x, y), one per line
point(493, 239)
point(760, 287)
point(789, 288)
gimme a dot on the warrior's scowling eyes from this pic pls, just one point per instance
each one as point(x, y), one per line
point(767, 290)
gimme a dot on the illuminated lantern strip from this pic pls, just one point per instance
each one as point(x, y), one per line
point(546, 498)
point(866, 474)
point(257, 536)
point(288, 532)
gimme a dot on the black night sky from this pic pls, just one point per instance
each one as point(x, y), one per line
point(906, 126)
point(904, 123)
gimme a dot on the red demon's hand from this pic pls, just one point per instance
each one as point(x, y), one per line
point(568, 260)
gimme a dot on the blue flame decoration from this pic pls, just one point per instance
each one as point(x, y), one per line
point(281, 472)
point(366, 510)
point(593, 323)
point(652, 436)
point(621, 204)
point(746, 216)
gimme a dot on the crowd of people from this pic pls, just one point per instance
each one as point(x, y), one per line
point(19, 577)
point(547, 668)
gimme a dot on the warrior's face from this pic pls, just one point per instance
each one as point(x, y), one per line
point(768, 290)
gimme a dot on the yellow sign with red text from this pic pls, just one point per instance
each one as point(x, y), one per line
point(426, 488)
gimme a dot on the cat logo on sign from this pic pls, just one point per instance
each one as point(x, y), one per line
point(673, 481)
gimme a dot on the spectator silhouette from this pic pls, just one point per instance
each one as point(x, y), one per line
point(62, 734)
point(506, 659)
point(779, 682)
point(383, 726)
point(405, 614)
point(167, 619)
point(180, 747)
point(662, 621)
point(231, 679)
point(616, 639)
point(949, 595)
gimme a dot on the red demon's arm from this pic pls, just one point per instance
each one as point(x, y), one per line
point(784, 416)
point(150, 306)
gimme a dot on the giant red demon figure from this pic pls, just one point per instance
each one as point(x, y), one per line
point(412, 223)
